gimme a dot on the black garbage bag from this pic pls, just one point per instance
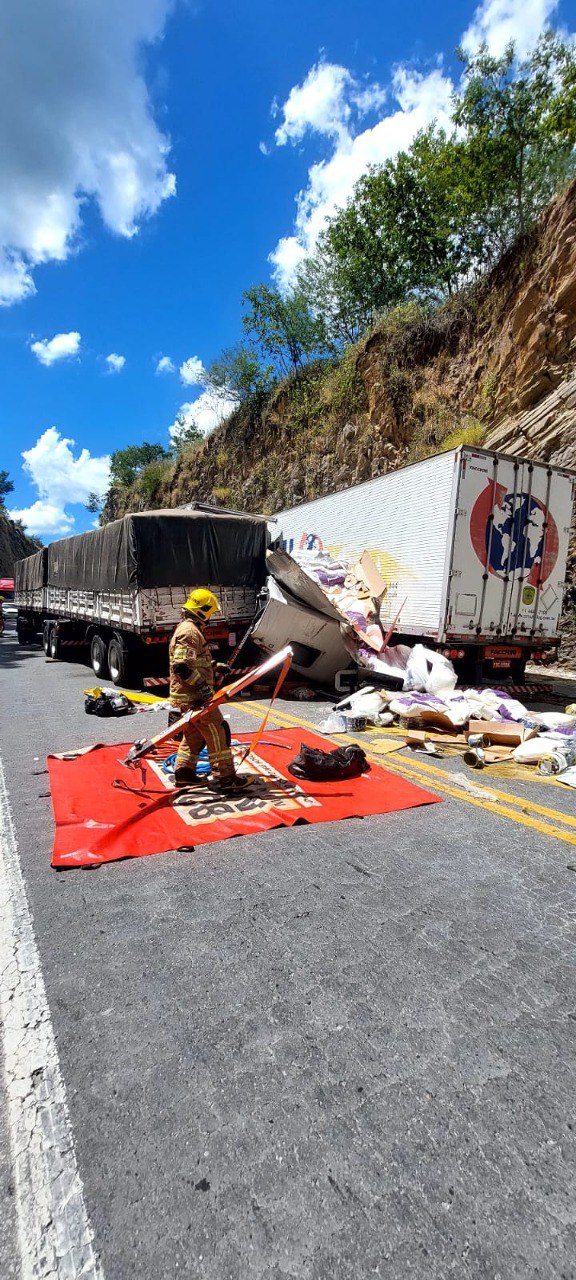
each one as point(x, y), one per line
point(108, 704)
point(97, 706)
point(328, 766)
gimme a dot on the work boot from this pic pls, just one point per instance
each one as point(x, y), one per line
point(230, 786)
point(186, 778)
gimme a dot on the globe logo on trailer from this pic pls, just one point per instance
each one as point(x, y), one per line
point(517, 538)
point(311, 542)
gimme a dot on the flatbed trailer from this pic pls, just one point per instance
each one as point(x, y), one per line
point(113, 596)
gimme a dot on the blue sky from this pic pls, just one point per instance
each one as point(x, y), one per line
point(162, 157)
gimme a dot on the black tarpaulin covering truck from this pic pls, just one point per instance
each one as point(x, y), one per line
point(115, 594)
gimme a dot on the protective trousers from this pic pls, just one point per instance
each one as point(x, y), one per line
point(212, 730)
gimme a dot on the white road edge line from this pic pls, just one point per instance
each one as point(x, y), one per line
point(56, 1240)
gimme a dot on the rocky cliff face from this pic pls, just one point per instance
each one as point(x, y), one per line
point(14, 545)
point(496, 366)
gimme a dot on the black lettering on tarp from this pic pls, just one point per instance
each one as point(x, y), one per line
point(270, 790)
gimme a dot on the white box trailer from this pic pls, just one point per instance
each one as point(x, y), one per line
point(472, 545)
point(116, 593)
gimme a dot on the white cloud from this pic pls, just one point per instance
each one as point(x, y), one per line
point(320, 104)
point(61, 479)
point(44, 517)
point(498, 22)
point(326, 103)
point(207, 412)
point(192, 372)
point(61, 347)
point(420, 99)
point(115, 363)
point(165, 365)
point(76, 124)
point(330, 101)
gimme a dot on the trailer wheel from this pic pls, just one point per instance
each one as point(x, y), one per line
point(46, 632)
point(55, 648)
point(121, 663)
point(99, 657)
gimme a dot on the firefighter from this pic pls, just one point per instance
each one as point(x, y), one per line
point(191, 686)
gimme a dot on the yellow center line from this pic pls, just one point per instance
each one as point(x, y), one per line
point(506, 797)
point(440, 781)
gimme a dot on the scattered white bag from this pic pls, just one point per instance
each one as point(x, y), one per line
point(555, 719)
point(367, 702)
point(494, 704)
point(411, 706)
point(334, 723)
point(530, 752)
point(429, 672)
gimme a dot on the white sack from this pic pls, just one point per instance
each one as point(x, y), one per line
point(429, 672)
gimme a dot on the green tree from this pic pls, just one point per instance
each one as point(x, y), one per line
point(94, 504)
point(126, 464)
point(184, 435)
point(285, 328)
point(561, 119)
point(405, 232)
point(150, 479)
point(6, 486)
point(433, 218)
point(239, 372)
point(519, 125)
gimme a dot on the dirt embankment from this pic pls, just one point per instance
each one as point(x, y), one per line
point(496, 365)
point(14, 545)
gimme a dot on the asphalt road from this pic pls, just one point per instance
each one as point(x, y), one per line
point(327, 1052)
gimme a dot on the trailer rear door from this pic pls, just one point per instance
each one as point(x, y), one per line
point(508, 564)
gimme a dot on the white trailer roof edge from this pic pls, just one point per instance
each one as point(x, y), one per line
point(460, 452)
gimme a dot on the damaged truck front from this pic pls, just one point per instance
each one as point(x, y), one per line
point(114, 595)
point(472, 548)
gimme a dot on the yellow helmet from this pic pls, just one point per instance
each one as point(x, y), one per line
point(201, 603)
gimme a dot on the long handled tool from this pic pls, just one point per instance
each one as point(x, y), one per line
point(282, 659)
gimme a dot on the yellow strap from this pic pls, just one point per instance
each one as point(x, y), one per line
point(147, 698)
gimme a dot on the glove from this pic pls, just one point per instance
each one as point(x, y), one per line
point(205, 693)
point(182, 669)
point(222, 673)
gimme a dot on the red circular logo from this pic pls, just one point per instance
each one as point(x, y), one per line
point(522, 534)
point(311, 542)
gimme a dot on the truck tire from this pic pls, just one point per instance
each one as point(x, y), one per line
point(46, 630)
point(54, 644)
point(99, 657)
point(122, 663)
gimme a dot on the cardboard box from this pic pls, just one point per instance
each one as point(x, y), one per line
point(503, 732)
point(458, 741)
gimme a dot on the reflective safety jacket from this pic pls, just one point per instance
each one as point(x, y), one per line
point(189, 646)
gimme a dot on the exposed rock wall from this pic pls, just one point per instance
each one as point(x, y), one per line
point(548, 430)
point(497, 366)
point(14, 545)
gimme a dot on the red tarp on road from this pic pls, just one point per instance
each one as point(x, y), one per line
point(97, 821)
